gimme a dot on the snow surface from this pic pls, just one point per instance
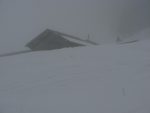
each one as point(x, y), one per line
point(97, 79)
point(143, 34)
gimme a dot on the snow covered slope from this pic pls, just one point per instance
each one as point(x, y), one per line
point(100, 79)
point(143, 34)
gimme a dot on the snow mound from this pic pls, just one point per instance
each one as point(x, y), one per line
point(141, 35)
point(144, 34)
point(100, 79)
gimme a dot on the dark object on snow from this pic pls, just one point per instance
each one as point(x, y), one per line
point(50, 40)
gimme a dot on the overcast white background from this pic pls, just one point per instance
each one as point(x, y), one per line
point(104, 20)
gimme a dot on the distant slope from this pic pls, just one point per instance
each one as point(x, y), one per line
point(102, 79)
point(144, 34)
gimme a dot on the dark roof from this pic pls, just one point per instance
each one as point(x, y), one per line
point(49, 40)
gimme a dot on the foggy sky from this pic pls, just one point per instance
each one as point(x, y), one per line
point(104, 20)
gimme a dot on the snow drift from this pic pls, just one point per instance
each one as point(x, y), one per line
point(102, 79)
